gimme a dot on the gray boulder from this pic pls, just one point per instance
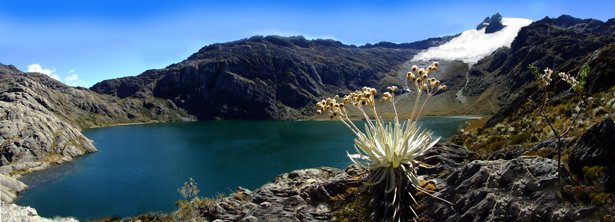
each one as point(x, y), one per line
point(301, 195)
point(9, 187)
point(16, 213)
point(521, 189)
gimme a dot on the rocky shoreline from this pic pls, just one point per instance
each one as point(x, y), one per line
point(15, 213)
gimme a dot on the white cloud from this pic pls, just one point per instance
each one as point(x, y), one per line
point(38, 68)
point(473, 45)
point(73, 79)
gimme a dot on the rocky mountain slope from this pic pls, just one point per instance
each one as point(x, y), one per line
point(269, 77)
point(559, 43)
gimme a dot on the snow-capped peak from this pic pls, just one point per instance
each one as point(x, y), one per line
point(473, 45)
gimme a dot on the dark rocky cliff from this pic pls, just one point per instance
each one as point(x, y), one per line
point(268, 77)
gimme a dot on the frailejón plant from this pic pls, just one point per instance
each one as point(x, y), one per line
point(388, 148)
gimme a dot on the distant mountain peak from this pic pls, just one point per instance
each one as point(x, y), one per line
point(491, 24)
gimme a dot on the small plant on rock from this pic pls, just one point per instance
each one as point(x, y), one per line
point(544, 81)
point(388, 149)
point(189, 190)
point(188, 207)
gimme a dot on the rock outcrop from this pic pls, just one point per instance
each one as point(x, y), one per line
point(16, 213)
point(518, 189)
point(596, 147)
point(521, 189)
point(301, 195)
point(9, 187)
point(491, 24)
point(443, 159)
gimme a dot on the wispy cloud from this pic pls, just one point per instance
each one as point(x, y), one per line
point(38, 68)
point(72, 78)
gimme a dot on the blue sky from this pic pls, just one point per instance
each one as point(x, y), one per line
point(84, 42)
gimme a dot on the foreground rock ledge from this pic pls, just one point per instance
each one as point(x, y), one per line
point(15, 213)
point(520, 189)
point(301, 195)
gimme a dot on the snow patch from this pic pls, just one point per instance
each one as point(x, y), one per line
point(473, 45)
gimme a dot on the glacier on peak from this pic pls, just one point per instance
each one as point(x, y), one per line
point(473, 45)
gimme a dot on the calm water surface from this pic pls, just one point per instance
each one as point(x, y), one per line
point(139, 168)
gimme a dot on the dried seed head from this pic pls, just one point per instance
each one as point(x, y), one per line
point(373, 91)
point(548, 72)
point(410, 76)
point(415, 68)
point(421, 72)
point(386, 96)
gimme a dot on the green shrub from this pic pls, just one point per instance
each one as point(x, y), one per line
point(545, 152)
point(188, 208)
point(593, 174)
point(493, 143)
point(520, 138)
point(583, 74)
point(601, 199)
point(348, 206)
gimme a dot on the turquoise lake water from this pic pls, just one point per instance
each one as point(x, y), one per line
point(138, 168)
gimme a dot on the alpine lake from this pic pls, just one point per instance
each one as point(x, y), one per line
point(139, 168)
